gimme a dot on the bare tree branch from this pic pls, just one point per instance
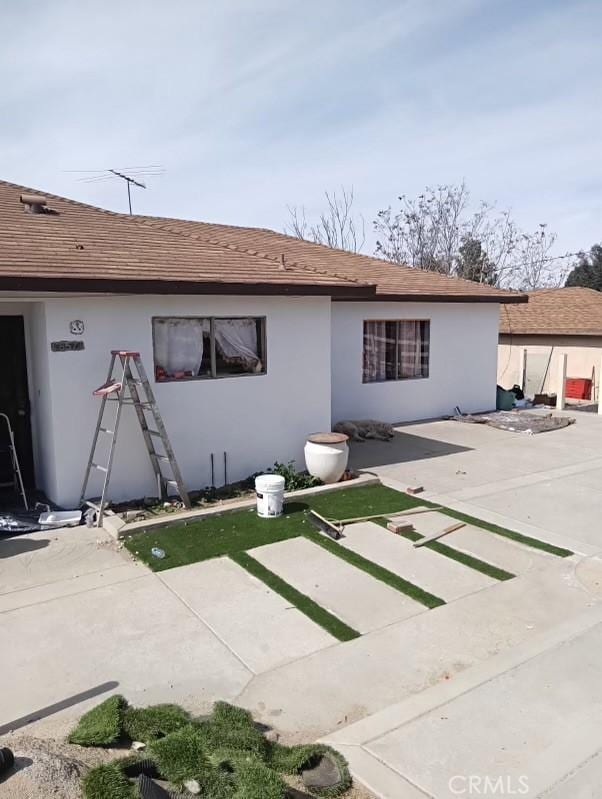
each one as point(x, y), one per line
point(438, 231)
point(336, 226)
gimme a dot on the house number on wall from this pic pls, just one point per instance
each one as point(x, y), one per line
point(66, 346)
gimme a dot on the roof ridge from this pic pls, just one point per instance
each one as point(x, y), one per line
point(154, 222)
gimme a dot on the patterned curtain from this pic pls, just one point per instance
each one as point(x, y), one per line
point(409, 345)
point(375, 352)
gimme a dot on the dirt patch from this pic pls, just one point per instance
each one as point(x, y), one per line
point(48, 768)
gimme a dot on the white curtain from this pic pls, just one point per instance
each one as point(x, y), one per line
point(236, 340)
point(179, 345)
point(375, 351)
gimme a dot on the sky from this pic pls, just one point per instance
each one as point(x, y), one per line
point(254, 105)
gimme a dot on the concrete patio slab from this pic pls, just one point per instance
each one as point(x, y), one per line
point(349, 593)
point(49, 556)
point(434, 572)
point(503, 552)
point(562, 506)
point(136, 633)
point(512, 727)
point(339, 685)
point(261, 627)
point(70, 586)
point(544, 483)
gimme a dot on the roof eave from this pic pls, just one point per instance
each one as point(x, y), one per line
point(118, 286)
point(426, 297)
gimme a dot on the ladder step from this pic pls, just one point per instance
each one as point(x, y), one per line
point(100, 468)
point(154, 433)
point(162, 458)
point(107, 431)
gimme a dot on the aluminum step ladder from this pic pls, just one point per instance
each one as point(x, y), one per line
point(126, 389)
point(17, 481)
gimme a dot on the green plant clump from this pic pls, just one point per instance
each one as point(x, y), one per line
point(181, 756)
point(294, 480)
point(294, 759)
point(227, 754)
point(147, 724)
point(258, 781)
point(107, 781)
point(101, 726)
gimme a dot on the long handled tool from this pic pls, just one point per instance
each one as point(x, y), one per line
point(334, 527)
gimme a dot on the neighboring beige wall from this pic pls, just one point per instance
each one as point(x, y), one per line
point(584, 357)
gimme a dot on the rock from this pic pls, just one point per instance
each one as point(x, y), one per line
point(137, 745)
point(325, 775)
point(272, 736)
point(192, 786)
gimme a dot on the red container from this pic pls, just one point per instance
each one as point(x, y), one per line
point(578, 388)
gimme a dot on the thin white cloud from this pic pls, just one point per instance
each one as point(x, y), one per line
point(255, 104)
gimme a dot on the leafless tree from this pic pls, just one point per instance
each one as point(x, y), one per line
point(438, 230)
point(535, 267)
point(335, 227)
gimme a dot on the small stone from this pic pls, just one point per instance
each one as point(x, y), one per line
point(272, 736)
point(325, 775)
point(137, 745)
point(192, 786)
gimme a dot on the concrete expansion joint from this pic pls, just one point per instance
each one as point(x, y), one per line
point(207, 625)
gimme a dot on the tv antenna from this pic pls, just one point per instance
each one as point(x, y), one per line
point(129, 180)
point(130, 175)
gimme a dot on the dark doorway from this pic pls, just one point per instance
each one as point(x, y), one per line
point(14, 400)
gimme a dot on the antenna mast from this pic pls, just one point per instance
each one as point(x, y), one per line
point(129, 180)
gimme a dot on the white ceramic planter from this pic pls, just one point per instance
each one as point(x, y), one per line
point(326, 456)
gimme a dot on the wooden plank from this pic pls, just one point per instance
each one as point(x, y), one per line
point(440, 534)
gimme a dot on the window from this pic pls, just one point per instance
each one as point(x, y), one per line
point(395, 350)
point(191, 348)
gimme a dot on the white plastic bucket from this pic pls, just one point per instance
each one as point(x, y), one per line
point(270, 495)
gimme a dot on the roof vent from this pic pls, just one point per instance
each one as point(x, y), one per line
point(34, 203)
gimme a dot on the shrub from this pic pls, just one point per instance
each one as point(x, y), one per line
point(107, 781)
point(101, 726)
point(294, 480)
point(181, 756)
point(149, 723)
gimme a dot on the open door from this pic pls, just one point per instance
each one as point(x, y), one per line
point(14, 401)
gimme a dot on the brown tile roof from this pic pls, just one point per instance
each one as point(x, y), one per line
point(77, 246)
point(86, 248)
point(392, 281)
point(567, 311)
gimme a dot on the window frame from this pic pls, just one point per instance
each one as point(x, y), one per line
point(397, 379)
point(261, 341)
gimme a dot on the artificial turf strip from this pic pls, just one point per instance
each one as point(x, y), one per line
point(311, 609)
point(216, 535)
point(240, 530)
point(534, 543)
point(468, 560)
point(374, 570)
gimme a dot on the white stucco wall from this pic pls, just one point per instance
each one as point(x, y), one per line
point(255, 419)
point(462, 369)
